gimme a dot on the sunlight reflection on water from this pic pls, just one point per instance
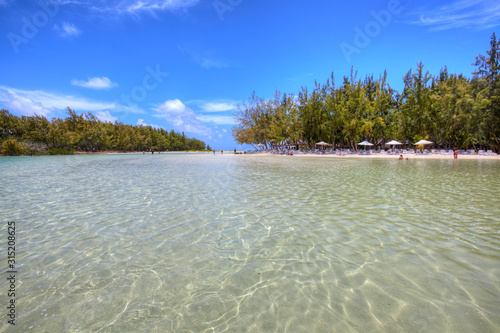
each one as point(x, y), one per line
point(197, 242)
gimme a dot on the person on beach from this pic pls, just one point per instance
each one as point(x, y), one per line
point(455, 154)
point(222, 152)
point(214, 151)
point(400, 157)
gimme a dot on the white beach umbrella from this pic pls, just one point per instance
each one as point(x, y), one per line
point(365, 143)
point(393, 143)
point(321, 143)
point(423, 143)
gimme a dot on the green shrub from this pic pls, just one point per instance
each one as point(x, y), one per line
point(60, 151)
point(13, 148)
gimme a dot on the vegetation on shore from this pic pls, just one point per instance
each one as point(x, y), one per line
point(451, 110)
point(37, 135)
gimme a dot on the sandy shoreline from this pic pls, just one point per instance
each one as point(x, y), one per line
point(384, 156)
point(375, 155)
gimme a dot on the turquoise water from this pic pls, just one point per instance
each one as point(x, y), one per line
point(203, 243)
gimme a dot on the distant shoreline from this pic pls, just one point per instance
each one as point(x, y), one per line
point(296, 155)
point(375, 155)
point(112, 152)
point(384, 156)
point(140, 152)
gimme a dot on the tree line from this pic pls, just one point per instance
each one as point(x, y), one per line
point(449, 109)
point(86, 133)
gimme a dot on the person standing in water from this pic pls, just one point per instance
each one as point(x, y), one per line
point(222, 152)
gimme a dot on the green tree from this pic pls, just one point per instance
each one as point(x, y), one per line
point(486, 82)
point(11, 147)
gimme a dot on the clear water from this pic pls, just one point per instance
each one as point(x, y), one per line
point(203, 243)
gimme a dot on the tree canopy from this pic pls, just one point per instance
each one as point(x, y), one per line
point(84, 132)
point(452, 110)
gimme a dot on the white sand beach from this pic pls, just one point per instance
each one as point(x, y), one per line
point(384, 156)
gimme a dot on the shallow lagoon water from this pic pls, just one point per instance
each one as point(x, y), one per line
point(203, 243)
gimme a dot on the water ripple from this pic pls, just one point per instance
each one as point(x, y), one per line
point(203, 243)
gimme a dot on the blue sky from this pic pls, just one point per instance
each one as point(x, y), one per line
point(186, 64)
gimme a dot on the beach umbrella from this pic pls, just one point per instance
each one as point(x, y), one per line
point(423, 143)
point(393, 143)
point(365, 143)
point(321, 143)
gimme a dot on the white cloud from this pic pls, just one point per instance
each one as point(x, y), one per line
point(119, 107)
point(12, 100)
point(34, 101)
point(470, 14)
point(67, 30)
point(173, 106)
point(182, 118)
point(141, 122)
point(137, 7)
point(219, 105)
point(98, 83)
point(29, 102)
point(218, 120)
point(105, 116)
point(152, 5)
